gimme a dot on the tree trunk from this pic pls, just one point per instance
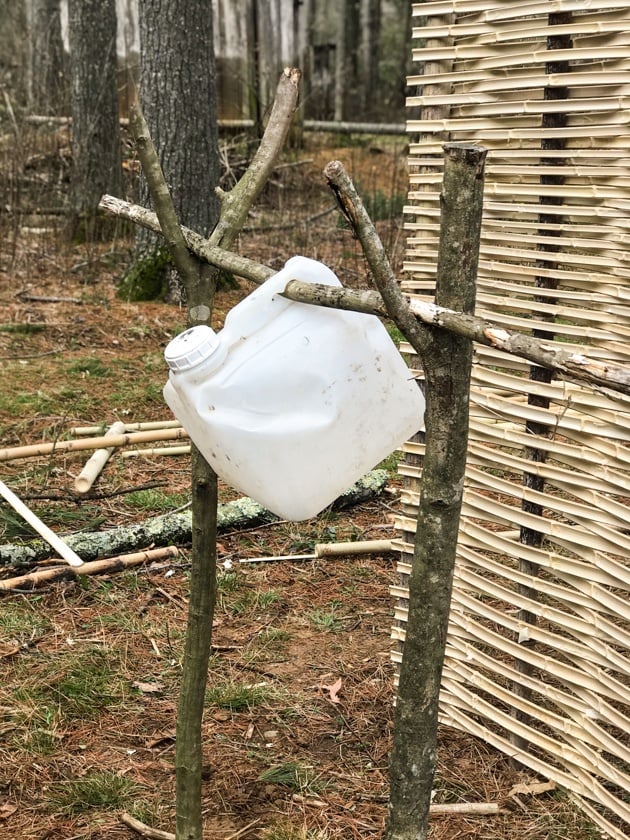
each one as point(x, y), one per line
point(178, 95)
point(96, 156)
point(48, 92)
point(370, 55)
point(346, 60)
point(447, 364)
point(192, 691)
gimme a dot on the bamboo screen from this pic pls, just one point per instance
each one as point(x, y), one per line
point(538, 649)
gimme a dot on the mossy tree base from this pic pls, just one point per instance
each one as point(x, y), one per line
point(147, 279)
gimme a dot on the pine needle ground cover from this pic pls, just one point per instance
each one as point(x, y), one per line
point(299, 700)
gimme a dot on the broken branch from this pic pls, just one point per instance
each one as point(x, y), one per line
point(184, 262)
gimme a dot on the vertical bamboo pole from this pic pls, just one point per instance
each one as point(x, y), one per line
point(532, 536)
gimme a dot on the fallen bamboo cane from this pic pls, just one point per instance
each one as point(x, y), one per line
point(109, 564)
point(330, 550)
point(148, 426)
point(96, 463)
point(44, 531)
point(37, 449)
point(162, 450)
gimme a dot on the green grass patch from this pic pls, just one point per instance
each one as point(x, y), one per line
point(28, 404)
point(155, 500)
point(105, 790)
point(251, 600)
point(88, 366)
point(295, 775)
point(22, 329)
point(21, 621)
point(326, 619)
point(78, 685)
point(238, 697)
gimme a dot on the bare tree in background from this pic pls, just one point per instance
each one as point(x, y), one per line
point(48, 78)
point(96, 154)
point(177, 91)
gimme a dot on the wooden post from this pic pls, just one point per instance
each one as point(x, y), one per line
point(447, 364)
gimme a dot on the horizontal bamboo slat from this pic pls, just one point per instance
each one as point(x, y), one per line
point(554, 258)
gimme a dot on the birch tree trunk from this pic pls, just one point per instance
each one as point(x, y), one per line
point(96, 156)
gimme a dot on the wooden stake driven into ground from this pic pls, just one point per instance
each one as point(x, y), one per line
point(200, 281)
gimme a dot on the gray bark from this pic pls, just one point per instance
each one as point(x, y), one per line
point(178, 95)
point(346, 58)
point(96, 154)
point(48, 76)
point(370, 56)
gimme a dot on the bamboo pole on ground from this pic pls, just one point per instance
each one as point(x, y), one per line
point(96, 567)
point(96, 464)
point(330, 550)
point(151, 425)
point(103, 441)
point(156, 451)
point(43, 530)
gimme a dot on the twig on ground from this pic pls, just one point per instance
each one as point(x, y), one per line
point(145, 830)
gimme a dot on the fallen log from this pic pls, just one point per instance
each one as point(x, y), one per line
point(176, 528)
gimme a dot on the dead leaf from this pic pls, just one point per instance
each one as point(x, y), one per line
point(534, 789)
point(333, 690)
point(161, 739)
point(149, 688)
point(6, 810)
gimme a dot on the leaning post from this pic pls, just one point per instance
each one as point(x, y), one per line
point(447, 361)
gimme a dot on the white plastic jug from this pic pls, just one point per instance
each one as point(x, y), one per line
point(292, 403)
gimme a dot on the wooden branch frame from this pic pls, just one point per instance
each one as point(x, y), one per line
point(552, 355)
point(200, 281)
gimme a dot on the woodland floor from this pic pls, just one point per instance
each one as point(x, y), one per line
point(299, 706)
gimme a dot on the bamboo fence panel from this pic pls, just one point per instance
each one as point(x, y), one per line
point(538, 654)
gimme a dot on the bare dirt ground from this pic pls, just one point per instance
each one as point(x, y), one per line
point(299, 710)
